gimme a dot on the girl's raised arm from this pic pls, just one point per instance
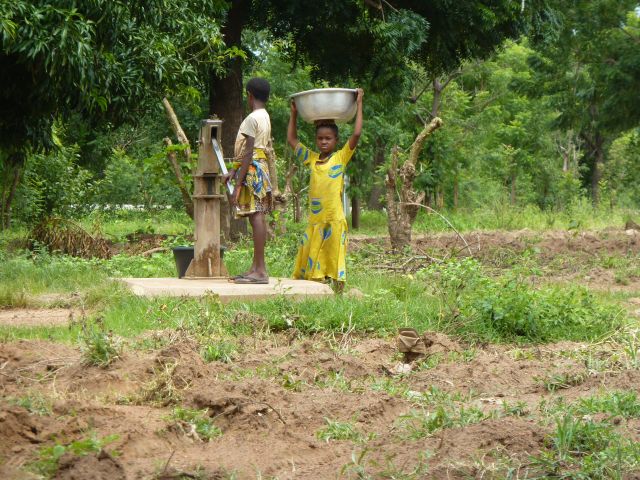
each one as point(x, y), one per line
point(357, 129)
point(292, 129)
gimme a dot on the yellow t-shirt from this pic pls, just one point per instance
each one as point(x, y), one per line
point(257, 125)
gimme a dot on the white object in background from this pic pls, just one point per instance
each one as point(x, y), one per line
point(223, 167)
point(338, 104)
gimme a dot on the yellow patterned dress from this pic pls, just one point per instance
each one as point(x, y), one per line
point(323, 246)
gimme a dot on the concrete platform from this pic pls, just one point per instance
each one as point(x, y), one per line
point(227, 291)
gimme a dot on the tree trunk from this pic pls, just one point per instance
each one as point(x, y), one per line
point(439, 197)
point(15, 164)
point(513, 187)
point(598, 165)
point(187, 201)
point(456, 187)
point(377, 190)
point(225, 101)
point(355, 213)
point(402, 214)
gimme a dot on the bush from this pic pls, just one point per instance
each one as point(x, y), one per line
point(510, 309)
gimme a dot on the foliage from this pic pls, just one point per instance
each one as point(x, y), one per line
point(335, 430)
point(588, 448)
point(99, 57)
point(53, 184)
point(99, 347)
point(196, 424)
point(67, 237)
point(509, 309)
point(34, 403)
point(49, 457)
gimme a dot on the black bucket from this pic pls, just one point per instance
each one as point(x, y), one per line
point(183, 257)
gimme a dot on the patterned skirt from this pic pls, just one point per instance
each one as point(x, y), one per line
point(255, 191)
point(322, 252)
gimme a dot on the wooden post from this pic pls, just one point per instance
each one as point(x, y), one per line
point(207, 197)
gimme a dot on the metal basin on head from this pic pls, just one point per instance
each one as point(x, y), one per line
point(338, 104)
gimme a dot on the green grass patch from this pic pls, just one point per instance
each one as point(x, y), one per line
point(195, 424)
point(49, 457)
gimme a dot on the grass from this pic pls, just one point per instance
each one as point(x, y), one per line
point(460, 297)
point(335, 430)
point(35, 403)
point(195, 424)
point(581, 216)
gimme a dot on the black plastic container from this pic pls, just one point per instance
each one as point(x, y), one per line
point(183, 257)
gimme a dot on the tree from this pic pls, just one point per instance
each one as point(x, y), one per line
point(590, 62)
point(104, 60)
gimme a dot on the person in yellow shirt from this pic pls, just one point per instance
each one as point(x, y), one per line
point(323, 246)
point(252, 192)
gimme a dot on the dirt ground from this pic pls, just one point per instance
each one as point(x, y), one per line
point(270, 403)
point(273, 402)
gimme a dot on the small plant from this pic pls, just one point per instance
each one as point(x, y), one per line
point(363, 468)
point(221, 351)
point(35, 403)
point(624, 404)
point(335, 381)
point(291, 383)
point(98, 347)
point(195, 424)
point(49, 457)
point(335, 430)
point(563, 380)
point(520, 409)
point(161, 390)
point(426, 423)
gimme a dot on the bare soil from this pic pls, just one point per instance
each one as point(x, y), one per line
point(270, 404)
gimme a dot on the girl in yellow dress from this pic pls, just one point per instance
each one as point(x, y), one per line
point(323, 245)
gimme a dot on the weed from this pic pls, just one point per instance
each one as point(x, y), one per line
point(161, 390)
point(519, 409)
point(49, 457)
point(522, 354)
point(563, 380)
point(435, 396)
point(425, 423)
point(220, 351)
point(582, 448)
point(362, 467)
point(35, 403)
point(335, 430)
point(195, 424)
point(624, 404)
point(291, 383)
point(336, 381)
point(509, 309)
point(98, 347)
point(391, 386)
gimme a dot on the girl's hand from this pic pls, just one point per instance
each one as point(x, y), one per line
point(360, 94)
point(228, 176)
point(294, 109)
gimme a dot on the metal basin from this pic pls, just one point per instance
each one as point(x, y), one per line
point(338, 104)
